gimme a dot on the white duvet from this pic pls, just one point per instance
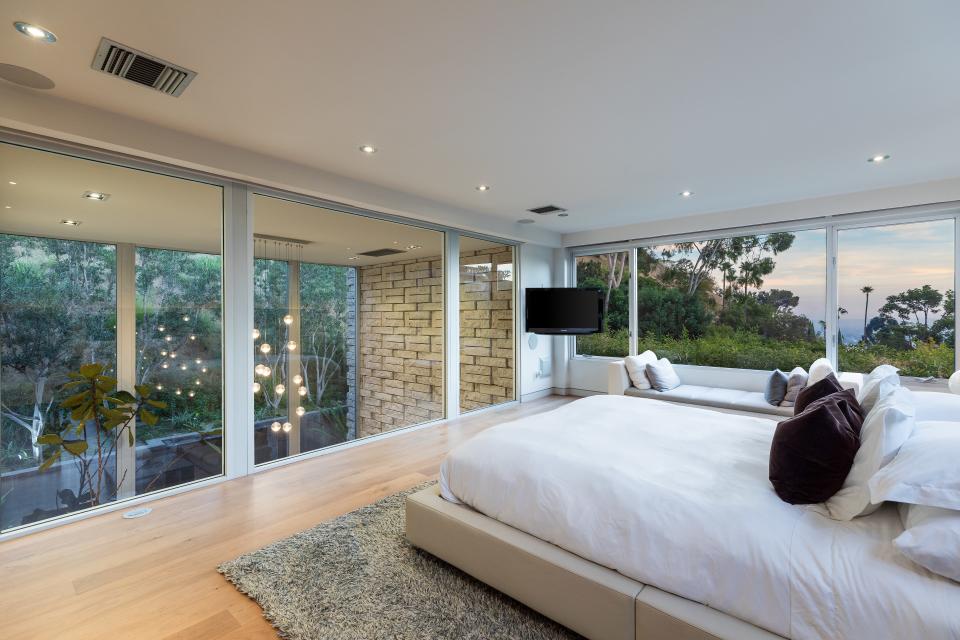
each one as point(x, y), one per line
point(678, 498)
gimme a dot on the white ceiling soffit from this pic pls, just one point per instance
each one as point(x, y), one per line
point(606, 109)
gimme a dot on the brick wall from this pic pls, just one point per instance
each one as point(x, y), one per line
point(486, 327)
point(401, 338)
point(401, 344)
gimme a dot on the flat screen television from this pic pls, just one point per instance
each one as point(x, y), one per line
point(565, 311)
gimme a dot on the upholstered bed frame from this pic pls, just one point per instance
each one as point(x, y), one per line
point(592, 600)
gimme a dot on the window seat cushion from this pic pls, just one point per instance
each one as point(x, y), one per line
point(714, 397)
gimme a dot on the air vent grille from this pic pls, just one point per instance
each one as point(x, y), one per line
point(128, 63)
point(546, 209)
point(379, 253)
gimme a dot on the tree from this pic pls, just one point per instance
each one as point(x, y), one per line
point(616, 264)
point(919, 303)
point(944, 329)
point(697, 260)
point(780, 299)
point(866, 290)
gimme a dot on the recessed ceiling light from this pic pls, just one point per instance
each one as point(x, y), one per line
point(686, 194)
point(526, 221)
point(34, 32)
point(11, 182)
point(483, 187)
point(368, 149)
point(562, 215)
point(879, 158)
point(353, 258)
point(70, 223)
point(7, 207)
point(96, 195)
point(412, 247)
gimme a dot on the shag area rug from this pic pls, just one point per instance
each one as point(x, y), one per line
point(356, 577)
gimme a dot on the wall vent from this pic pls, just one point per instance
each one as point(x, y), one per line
point(136, 66)
point(379, 253)
point(546, 209)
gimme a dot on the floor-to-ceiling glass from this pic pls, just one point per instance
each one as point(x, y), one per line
point(487, 358)
point(348, 327)
point(110, 284)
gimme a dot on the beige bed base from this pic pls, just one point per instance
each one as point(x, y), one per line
point(590, 599)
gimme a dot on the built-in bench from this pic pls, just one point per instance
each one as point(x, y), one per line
point(719, 387)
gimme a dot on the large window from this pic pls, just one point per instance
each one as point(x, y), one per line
point(115, 271)
point(610, 273)
point(897, 298)
point(486, 323)
point(348, 337)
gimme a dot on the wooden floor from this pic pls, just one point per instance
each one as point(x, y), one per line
point(109, 578)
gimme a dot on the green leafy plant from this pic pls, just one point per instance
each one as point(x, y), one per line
point(97, 406)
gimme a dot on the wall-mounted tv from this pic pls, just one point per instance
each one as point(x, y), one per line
point(565, 311)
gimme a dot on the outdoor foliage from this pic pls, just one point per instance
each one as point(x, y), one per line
point(704, 303)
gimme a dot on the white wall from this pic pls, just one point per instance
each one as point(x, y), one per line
point(36, 113)
point(536, 270)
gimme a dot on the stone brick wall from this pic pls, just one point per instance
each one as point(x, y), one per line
point(486, 327)
point(401, 344)
point(401, 338)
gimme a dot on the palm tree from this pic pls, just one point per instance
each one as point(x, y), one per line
point(866, 290)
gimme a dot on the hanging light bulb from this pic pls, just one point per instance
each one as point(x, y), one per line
point(298, 379)
point(198, 361)
point(159, 387)
point(288, 319)
point(256, 387)
point(265, 371)
point(192, 393)
point(161, 328)
point(275, 427)
point(302, 391)
point(279, 389)
point(256, 333)
point(192, 337)
point(197, 382)
point(186, 318)
point(178, 392)
point(265, 348)
point(183, 367)
point(291, 345)
point(203, 369)
point(165, 365)
point(163, 353)
point(168, 338)
point(287, 427)
point(301, 411)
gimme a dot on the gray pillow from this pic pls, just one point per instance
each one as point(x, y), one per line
point(662, 375)
point(776, 388)
point(795, 383)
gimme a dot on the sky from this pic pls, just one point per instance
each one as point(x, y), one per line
point(890, 259)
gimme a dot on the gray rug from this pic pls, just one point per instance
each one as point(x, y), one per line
point(356, 577)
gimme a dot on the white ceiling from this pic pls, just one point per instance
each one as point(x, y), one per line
point(152, 210)
point(606, 108)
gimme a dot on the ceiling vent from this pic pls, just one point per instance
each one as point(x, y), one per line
point(546, 209)
point(136, 66)
point(379, 253)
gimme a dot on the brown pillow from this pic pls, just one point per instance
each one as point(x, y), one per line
point(811, 454)
point(846, 400)
point(817, 390)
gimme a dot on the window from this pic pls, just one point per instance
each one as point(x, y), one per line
point(897, 298)
point(610, 273)
point(754, 302)
point(129, 283)
point(486, 323)
point(348, 316)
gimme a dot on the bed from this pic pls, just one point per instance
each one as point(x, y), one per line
point(630, 518)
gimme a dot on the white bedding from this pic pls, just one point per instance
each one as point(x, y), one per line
point(678, 498)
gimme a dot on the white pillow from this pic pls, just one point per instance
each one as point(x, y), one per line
point(869, 392)
point(662, 375)
point(884, 430)
point(819, 370)
point(934, 405)
point(931, 539)
point(637, 368)
point(926, 470)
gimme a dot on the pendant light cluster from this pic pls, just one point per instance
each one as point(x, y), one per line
point(176, 339)
point(271, 354)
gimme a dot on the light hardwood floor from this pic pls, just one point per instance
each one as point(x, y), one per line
point(109, 578)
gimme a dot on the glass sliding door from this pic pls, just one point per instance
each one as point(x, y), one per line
point(487, 306)
point(897, 301)
point(115, 272)
point(348, 338)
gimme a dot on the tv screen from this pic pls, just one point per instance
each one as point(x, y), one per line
point(564, 311)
